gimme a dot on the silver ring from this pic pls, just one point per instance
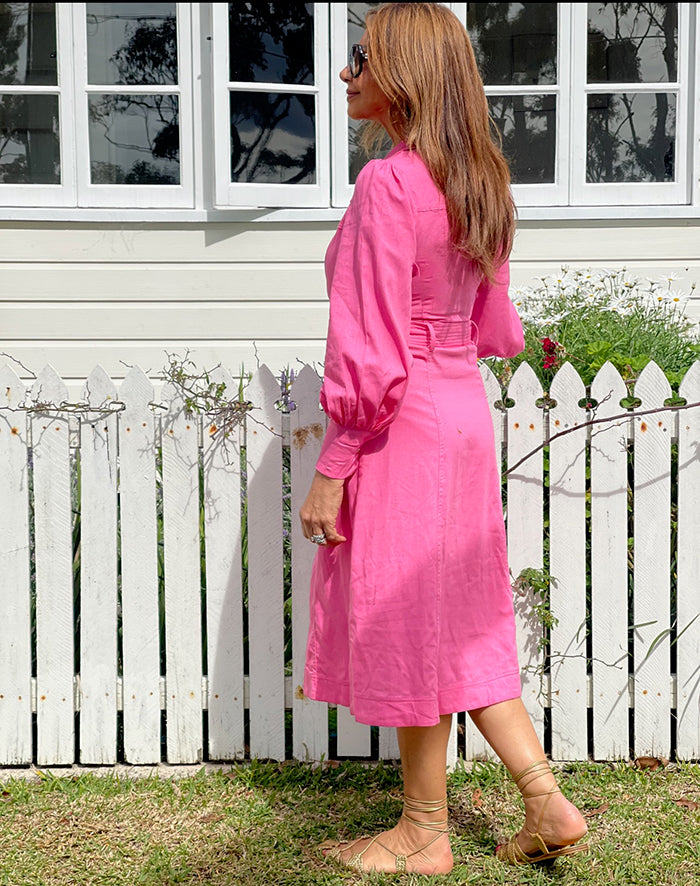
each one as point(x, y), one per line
point(318, 539)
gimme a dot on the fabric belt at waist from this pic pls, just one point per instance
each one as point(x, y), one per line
point(443, 332)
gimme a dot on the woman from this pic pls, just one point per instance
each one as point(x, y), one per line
point(411, 606)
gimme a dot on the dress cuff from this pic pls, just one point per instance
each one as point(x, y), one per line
point(340, 450)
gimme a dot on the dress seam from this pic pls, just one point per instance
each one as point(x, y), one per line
point(440, 509)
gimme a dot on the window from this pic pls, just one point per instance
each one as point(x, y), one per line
point(95, 106)
point(36, 163)
point(521, 52)
point(270, 104)
point(201, 107)
point(592, 100)
point(631, 64)
point(133, 120)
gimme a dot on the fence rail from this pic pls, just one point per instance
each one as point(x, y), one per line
point(154, 579)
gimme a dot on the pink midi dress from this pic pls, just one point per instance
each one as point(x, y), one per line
point(412, 617)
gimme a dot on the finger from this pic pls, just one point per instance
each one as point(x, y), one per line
point(333, 537)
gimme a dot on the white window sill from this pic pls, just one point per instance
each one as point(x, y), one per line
point(283, 216)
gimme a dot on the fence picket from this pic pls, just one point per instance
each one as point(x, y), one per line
point(53, 432)
point(224, 612)
point(524, 424)
point(139, 570)
point(54, 573)
point(652, 566)
point(307, 422)
point(609, 609)
point(265, 575)
point(688, 619)
point(183, 604)
point(354, 739)
point(15, 640)
point(567, 566)
point(98, 573)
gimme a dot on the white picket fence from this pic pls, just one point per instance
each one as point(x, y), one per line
point(635, 647)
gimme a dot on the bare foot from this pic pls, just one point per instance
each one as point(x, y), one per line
point(379, 853)
point(562, 823)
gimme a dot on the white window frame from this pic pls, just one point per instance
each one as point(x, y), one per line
point(253, 194)
point(628, 193)
point(135, 196)
point(548, 194)
point(62, 194)
point(554, 193)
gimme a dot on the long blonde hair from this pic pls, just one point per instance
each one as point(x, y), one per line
point(422, 60)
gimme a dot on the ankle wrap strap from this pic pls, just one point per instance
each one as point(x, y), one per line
point(531, 773)
point(426, 807)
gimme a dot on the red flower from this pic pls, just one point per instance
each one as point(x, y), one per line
point(550, 361)
point(549, 346)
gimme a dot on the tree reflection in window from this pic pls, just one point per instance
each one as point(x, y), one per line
point(631, 135)
point(135, 138)
point(29, 123)
point(272, 132)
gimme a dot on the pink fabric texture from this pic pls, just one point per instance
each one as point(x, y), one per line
point(412, 617)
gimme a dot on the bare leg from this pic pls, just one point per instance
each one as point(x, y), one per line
point(508, 729)
point(424, 763)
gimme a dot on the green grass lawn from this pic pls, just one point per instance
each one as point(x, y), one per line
point(261, 824)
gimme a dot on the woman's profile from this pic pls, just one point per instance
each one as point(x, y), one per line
point(411, 602)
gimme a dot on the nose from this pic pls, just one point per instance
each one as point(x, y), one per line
point(345, 75)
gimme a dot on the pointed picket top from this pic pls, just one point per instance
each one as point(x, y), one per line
point(306, 382)
point(690, 386)
point(524, 384)
point(216, 438)
point(12, 388)
point(567, 389)
point(652, 384)
point(264, 391)
point(220, 375)
point(99, 389)
point(136, 387)
point(49, 387)
point(608, 388)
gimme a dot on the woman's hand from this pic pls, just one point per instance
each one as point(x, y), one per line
point(319, 512)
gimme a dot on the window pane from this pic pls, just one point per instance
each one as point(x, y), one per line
point(631, 137)
point(131, 43)
point(357, 157)
point(632, 42)
point(528, 126)
point(134, 139)
point(271, 42)
point(514, 43)
point(29, 142)
point(273, 138)
point(357, 12)
point(28, 43)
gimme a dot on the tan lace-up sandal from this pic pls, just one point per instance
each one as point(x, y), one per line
point(511, 852)
point(410, 805)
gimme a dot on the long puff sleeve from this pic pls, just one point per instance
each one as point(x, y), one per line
point(369, 267)
point(500, 329)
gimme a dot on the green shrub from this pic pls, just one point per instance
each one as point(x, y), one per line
point(591, 316)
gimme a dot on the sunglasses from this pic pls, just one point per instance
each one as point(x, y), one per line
point(357, 57)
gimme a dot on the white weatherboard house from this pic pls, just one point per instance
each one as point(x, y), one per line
point(171, 173)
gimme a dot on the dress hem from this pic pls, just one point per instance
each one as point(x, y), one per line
point(414, 711)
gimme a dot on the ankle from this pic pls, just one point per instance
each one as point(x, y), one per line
point(536, 780)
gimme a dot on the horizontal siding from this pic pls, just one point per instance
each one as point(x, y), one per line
point(79, 294)
point(161, 282)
